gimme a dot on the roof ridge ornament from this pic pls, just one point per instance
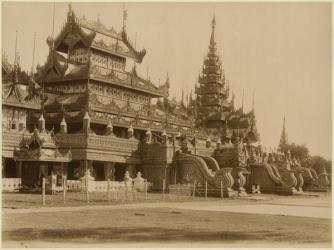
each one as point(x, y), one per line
point(125, 16)
point(212, 39)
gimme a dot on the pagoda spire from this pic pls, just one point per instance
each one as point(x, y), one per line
point(284, 138)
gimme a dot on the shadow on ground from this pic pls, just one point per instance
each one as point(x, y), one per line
point(132, 235)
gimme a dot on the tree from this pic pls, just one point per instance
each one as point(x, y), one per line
point(298, 151)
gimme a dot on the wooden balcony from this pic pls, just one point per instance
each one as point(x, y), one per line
point(100, 147)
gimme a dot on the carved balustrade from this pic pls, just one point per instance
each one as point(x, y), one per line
point(11, 184)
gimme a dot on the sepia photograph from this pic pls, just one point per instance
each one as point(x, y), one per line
point(166, 124)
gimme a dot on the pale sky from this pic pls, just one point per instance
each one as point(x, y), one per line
point(279, 51)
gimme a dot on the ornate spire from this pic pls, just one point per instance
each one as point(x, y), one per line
point(284, 139)
point(212, 39)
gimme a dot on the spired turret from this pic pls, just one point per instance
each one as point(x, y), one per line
point(213, 91)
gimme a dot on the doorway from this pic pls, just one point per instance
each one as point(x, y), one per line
point(119, 171)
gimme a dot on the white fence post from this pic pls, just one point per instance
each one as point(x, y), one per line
point(221, 189)
point(194, 189)
point(43, 191)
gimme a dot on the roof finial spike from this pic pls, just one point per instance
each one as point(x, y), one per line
point(213, 21)
point(136, 41)
point(33, 56)
point(243, 95)
point(15, 52)
point(182, 100)
point(212, 39)
point(53, 17)
point(16, 60)
point(125, 16)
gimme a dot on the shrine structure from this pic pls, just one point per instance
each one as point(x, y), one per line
point(97, 117)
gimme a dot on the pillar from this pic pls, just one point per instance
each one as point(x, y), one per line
point(43, 171)
point(132, 170)
point(3, 167)
point(109, 171)
point(18, 166)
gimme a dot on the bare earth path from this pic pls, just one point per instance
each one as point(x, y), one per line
point(265, 222)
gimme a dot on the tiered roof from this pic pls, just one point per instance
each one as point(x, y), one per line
point(14, 92)
point(213, 91)
point(95, 36)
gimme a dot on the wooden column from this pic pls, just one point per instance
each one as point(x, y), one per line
point(109, 171)
point(132, 170)
point(18, 166)
point(3, 167)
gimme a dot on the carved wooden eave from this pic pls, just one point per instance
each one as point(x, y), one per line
point(40, 146)
point(7, 68)
point(71, 101)
point(130, 81)
point(139, 55)
point(14, 94)
point(98, 27)
point(72, 34)
point(52, 68)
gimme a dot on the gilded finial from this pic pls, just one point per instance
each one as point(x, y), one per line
point(213, 21)
point(212, 39)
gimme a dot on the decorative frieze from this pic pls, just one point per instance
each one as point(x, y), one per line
point(68, 88)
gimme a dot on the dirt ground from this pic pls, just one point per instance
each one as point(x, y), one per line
point(172, 226)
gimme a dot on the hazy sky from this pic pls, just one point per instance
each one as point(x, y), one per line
point(279, 51)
